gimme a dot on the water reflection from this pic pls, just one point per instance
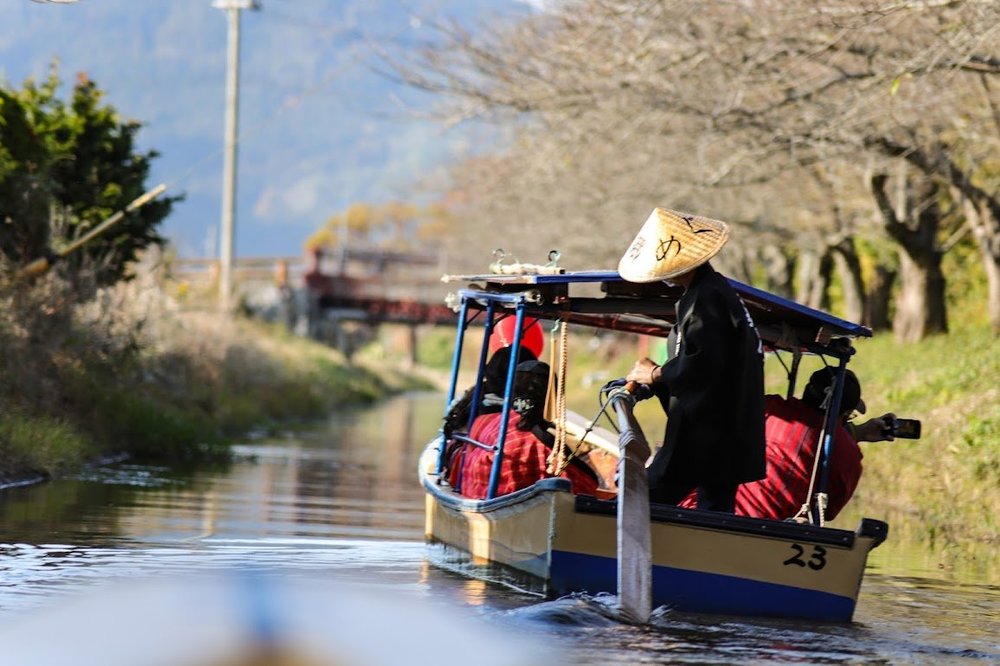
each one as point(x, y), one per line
point(351, 477)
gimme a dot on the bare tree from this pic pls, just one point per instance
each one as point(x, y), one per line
point(724, 108)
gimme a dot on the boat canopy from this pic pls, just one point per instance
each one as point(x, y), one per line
point(649, 308)
point(605, 300)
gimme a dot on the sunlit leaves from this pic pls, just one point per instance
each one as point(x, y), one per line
point(65, 166)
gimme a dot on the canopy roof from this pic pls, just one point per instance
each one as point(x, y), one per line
point(648, 308)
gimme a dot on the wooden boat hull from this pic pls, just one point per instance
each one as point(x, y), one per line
point(705, 562)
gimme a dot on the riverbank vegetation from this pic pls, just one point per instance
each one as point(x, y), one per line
point(128, 372)
point(940, 491)
point(95, 358)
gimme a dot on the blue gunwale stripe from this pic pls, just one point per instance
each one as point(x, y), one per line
point(701, 592)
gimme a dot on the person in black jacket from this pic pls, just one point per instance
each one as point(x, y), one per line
point(712, 388)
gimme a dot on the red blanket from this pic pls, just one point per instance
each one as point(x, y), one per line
point(524, 461)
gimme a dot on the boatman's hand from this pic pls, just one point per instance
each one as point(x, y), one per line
point(644, 372)
point(640, 392)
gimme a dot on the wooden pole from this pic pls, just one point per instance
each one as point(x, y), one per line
point(42, 264)
point(228, 223)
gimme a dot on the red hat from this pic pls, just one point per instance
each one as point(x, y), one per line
point(532, 335)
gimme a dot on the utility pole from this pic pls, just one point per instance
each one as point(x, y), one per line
point(226, 244)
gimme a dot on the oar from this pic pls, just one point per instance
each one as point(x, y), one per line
point(635, 572)
point(39, 266)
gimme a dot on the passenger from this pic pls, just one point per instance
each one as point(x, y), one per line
point(712, 388)
point(494, 380)
point(527, 446)
point(793, 430)
point(491, 392)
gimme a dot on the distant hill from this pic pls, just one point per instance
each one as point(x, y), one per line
point(319, 129)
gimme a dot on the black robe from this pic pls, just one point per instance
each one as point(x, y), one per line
point(712, 389)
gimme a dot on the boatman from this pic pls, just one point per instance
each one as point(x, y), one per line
point(712, 388)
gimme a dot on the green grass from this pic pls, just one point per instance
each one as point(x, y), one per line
point(179, 399)
point(949, 480)
point(40, 444)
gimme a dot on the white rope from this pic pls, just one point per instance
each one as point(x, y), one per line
point(556, 403)
point(821, 503)
point(821, 498)
point(561, 391)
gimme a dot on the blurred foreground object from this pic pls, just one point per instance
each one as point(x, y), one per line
point(256, 618)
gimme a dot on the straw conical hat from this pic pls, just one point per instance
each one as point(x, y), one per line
point(671, 243)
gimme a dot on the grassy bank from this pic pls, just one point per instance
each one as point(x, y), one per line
point(129, 373)
point(943, 489)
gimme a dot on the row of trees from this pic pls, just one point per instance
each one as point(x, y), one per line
point(65, 166)
point(394, 225)
point(843, 137)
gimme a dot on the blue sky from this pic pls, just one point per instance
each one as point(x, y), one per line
point(319, 129)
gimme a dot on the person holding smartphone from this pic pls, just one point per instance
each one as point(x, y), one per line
point(792, 429)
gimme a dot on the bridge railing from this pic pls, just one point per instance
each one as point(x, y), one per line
point(362, 283)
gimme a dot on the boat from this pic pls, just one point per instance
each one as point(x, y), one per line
point(545, 540)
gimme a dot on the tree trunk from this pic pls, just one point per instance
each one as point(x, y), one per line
point(986, 230)
point(779, 270)
point(813, 269)
point(849, 269)
point(806, 269)
point(920, 308)
point(991, 262)
point(920, 305)
point(746, 267)
point(877, 299)
point(819, 293)
point(982, 208)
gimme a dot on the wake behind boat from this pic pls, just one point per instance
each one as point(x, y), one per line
point(547, 540)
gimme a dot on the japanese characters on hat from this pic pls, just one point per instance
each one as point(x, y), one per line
point(670, 244)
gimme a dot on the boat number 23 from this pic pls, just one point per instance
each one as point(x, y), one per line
point(816, 560)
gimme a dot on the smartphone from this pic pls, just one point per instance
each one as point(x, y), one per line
point(906, 428)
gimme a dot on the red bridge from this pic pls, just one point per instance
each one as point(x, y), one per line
point(377, 286)
point(340, 295)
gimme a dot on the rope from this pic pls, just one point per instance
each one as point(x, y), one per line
point(821, 498)
point(556, 403)
point(561, 393)
point(550, 396)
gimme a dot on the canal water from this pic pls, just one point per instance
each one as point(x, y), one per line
point(319, 533)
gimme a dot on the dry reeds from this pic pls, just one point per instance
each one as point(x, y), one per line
point(127, 369)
